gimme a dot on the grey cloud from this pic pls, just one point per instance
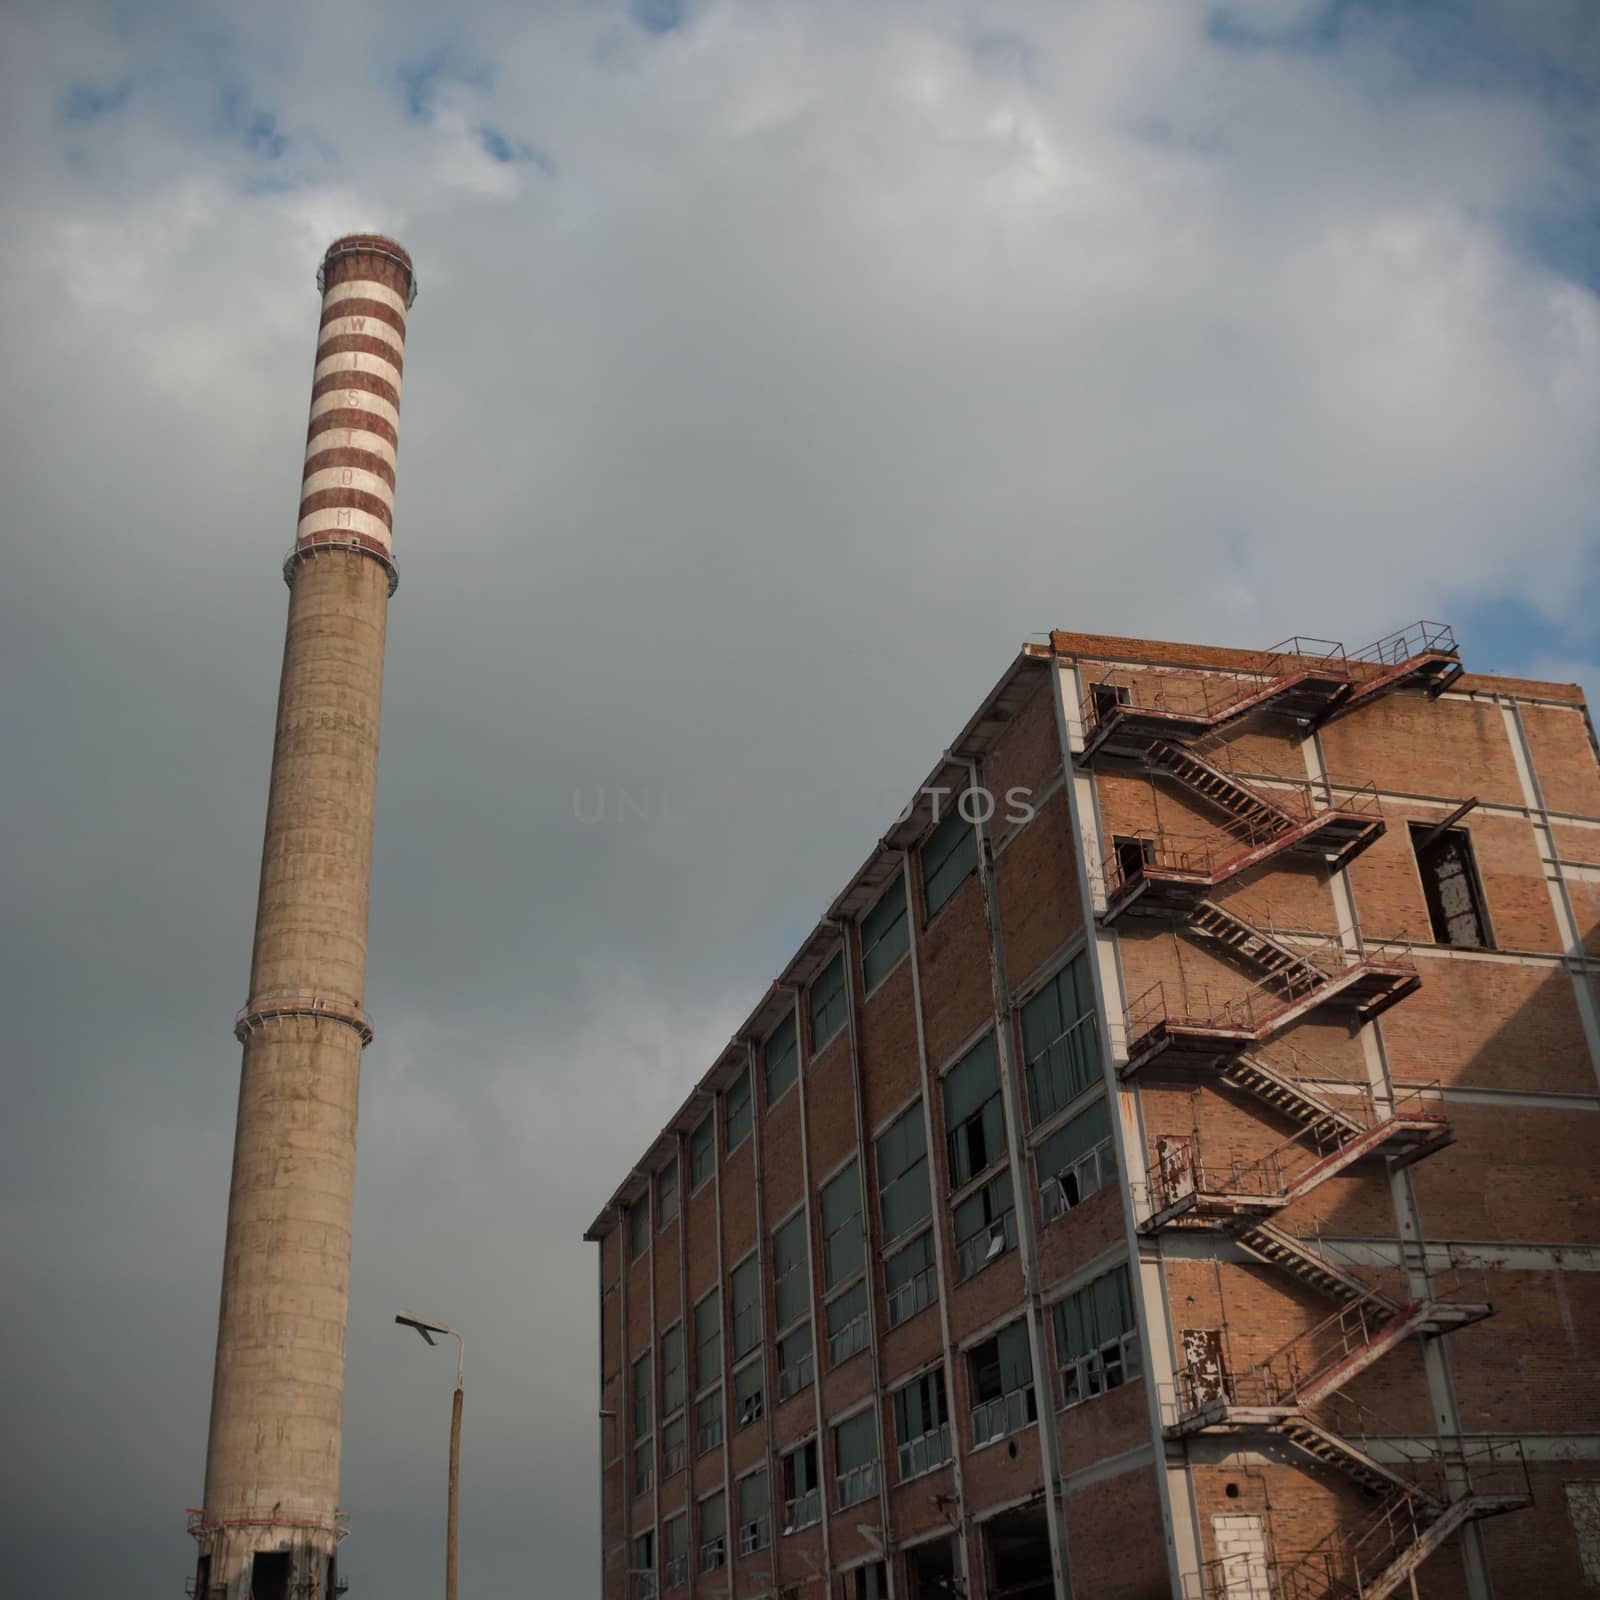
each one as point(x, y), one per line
point(833, 351)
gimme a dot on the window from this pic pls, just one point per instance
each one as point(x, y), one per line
point(903, 1173)
point(796, 1364)
point(869, 1582)
point(791, 1280)
point(755, 1524)
point(855, 1459)
point(641, 1396)
point(638, 1228)
point(736, 1110)
point(921, 1425)
point(1075, 1161)
point(702, 1151)
point(1097, 1338)
point(975, 1124)
point(708, 1340)
point(673, 1446)
point(847, 1323)
point(667, 1193)
point(949, 853)
point(675, 1551)
point(1001, 1373)
point(842, 1245)
point(1106, 697)
point(802, 1500)
point(1451, 886)
point(708, 1422)
point(1133, 854)
point(644, 1455)
point(744, 1291)
point(780, 1057)
point(885, 934)
point(1059, 1041)
point(713, 1532)
point(644, 1566)
point(672, 1370)
point(749, 1393)
point(985, 1226)
point(829, 1005)
point(908, 1280)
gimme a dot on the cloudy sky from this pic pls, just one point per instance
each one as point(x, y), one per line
point(778, 369)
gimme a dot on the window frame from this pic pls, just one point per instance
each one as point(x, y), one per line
point(708, 1125)
point(958, 1160)
point(743, 1108)
point(831, 1279)
point(913, 1112)
point(667, 1195)
point(788, 1060)
point(952, 827)
point(828, 1020)
point(898, 926)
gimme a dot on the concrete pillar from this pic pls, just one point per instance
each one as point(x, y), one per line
point(270, 1525)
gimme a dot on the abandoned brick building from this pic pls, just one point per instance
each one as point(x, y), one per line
point(1166, 1170)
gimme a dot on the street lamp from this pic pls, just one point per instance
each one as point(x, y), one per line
point(427, 1330)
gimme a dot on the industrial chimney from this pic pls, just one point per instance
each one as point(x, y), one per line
point(270, 1527)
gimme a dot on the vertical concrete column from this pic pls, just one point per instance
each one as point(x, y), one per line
point(272, 1459)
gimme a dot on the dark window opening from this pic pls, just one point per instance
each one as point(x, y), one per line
point(931, 1571)
point(1451, 887)
point(870, 1582)
point(269, 1576)
point(202, 1578)
point(1018, 1547)
point(1133, 856)
point(1106, 697)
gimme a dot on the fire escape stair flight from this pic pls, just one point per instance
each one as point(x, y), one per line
point(1172, 879)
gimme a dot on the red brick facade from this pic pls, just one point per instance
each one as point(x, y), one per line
point(1258, 1248)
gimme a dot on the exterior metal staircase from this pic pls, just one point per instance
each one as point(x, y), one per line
point(1310, 1265)
point(1193, 1021)
point(1164, 874)
point(1307, 680)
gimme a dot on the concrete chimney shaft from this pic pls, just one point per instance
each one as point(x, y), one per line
point(270, 1525)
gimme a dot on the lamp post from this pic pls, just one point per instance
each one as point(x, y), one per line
point(427, 1330)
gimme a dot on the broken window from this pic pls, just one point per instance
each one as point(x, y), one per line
point(846, 1317)
point(1106, 697)
point(744, 1290)
point(975, 1128)
point(641, 1396)
point(644, 1565)
point(1133, 855)
point(780, 1057)
point(921, 1425)
point(931, 1570)
point(702, 1151)
point(269, 1575)
point(869, 1582)
point(713, 1532)
point(736, 1110)
point(1097, 1337)
point(1000, 1371)
point(903, 1173)
point(1059, 1041)
point(667, 1193)
point(855, 1459)
point(802, 1499)
point(1451, 886)
point(885, 935)
point(1018, 1547)
point(842, 1251)
point(755, 1525)
point(1075, 1161)
point(985, 1226)
point(829, 1006)
point(909, 1279)
point(749, 1393)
